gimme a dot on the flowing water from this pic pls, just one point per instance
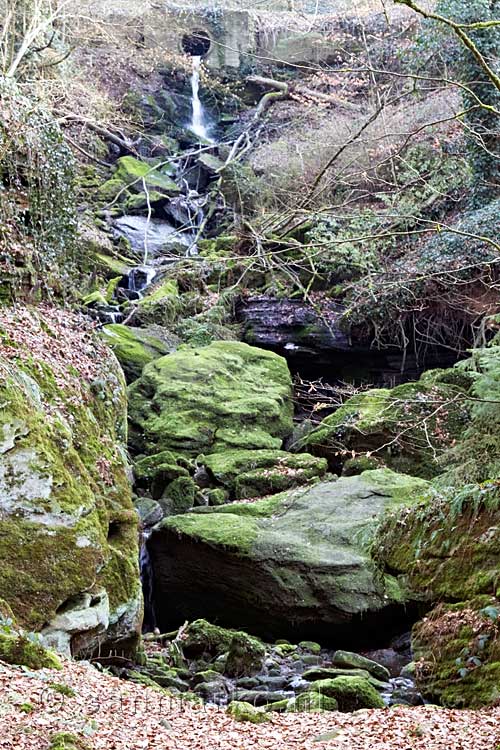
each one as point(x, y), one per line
point(197, 125)
point(149, 623)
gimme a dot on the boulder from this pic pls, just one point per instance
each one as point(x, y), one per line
point(311, 703)
point(298, 562)
point(349, 659)
point(262, 472)
point(133, 347)
point(223, 396)
point(351, 693)
point(135, 173)
point(407, 427)
point(244, 654)
point(241, 711)
point(69, 542)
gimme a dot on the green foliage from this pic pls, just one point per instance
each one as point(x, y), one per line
point(445, 273)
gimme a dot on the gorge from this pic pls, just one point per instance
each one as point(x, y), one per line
point(249, 348)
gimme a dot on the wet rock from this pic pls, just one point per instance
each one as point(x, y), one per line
point(404, 693)
point(153, 237)
point(262, 697)
point(133, 347)
point(215, 691)
point(150, 512)
point(390, 659)
point(350, 659)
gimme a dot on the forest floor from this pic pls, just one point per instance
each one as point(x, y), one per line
point(105, 712)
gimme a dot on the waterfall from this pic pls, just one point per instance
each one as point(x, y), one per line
point(197, 125)
point(149, 623)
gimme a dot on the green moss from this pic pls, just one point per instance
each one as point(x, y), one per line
point(262, 472)
point(134, 173)
point(311, 646)
point(311, 703)
point(27, 651)
point(226, 395)
point(64, 484)
point(351, 693)
point(62, 689)
point(241, 711)
point(67, 741)
point(133, 347)
point(236, 533)
point(179, 495)
point(443, 546)
point(112, 189)
point(246, 655)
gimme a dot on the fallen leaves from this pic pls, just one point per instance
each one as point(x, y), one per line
point(111, 714)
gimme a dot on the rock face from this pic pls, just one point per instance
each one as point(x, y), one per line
point(295, 563)
point(315, 341)
point(224, 396)
point(68, 542)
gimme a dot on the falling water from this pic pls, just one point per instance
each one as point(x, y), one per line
point(197, 125)
point(149, 623)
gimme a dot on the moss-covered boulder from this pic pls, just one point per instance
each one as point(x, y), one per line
point(262, 472)
point(68, 545)
point(134, 174)
point(243, 653)
point(241, 711)
point(311, 702)
point(134, 347)
point(295, 562)
point(351, 693)
point(224, 396)
point(26, 650)
point(349, 659)
point(457, 648)
point(407, 427)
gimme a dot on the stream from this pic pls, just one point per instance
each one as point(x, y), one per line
point(161, 241)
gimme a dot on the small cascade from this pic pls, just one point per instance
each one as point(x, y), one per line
point(149, 622)
point(197, 125)
point(139, 278)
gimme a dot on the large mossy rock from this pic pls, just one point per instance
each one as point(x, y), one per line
point(68, 542)
point(351, 693)
point(407, 427)
point(134, 347)
point(297, 562)
point(457, 652)
point(224, 396)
